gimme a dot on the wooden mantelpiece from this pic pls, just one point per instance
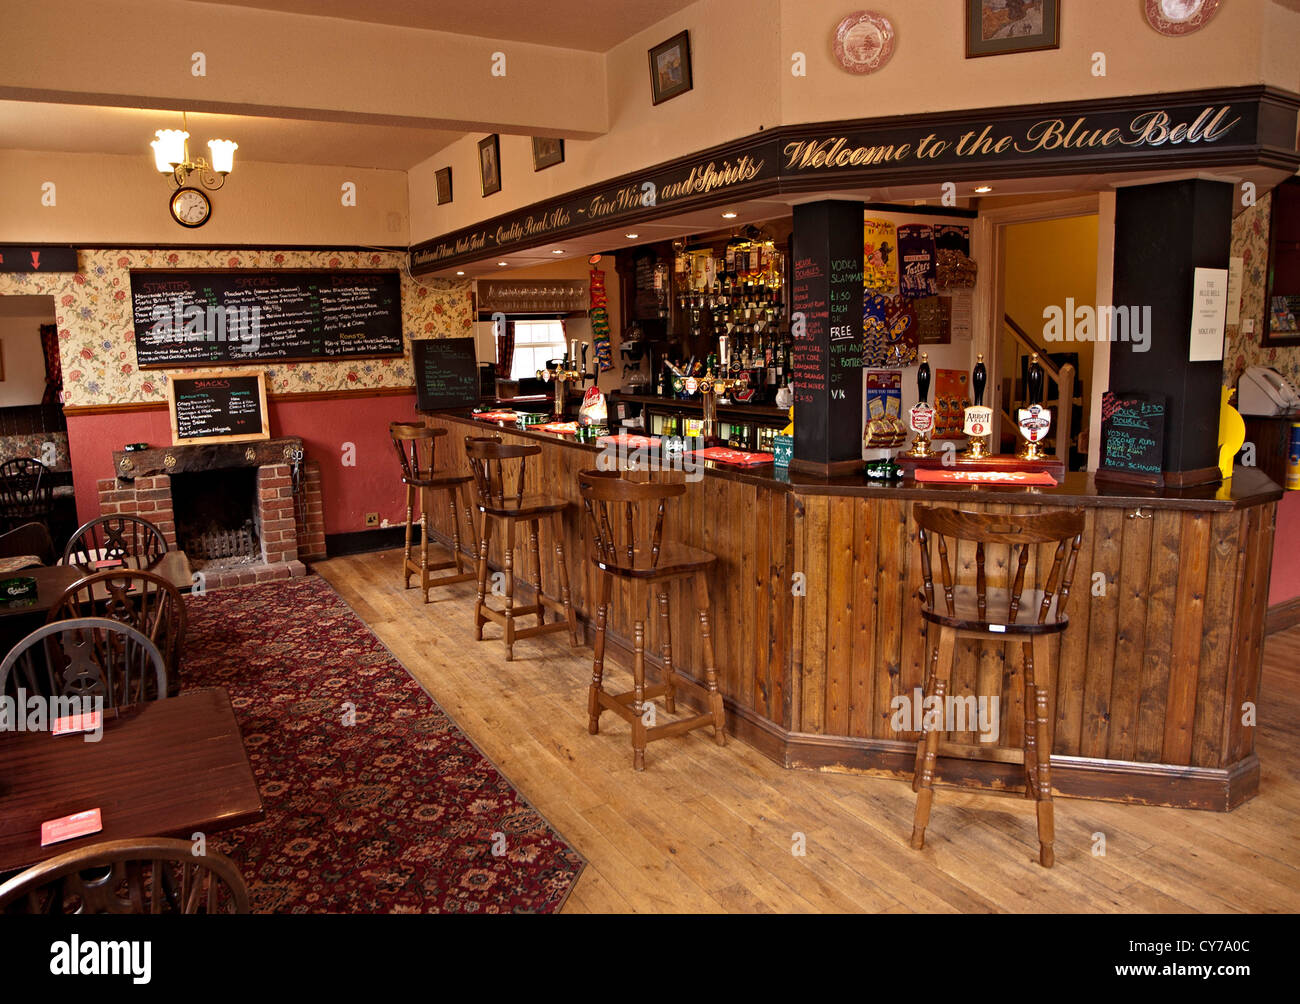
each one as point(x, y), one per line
point(1164, 646)
point(204, 457)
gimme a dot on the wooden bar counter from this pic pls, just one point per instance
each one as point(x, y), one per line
point(817, 622)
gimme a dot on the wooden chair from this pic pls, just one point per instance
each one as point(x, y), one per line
point(1005, 615)
point(490, 459)
point(150, 875)
point(88, 658)
point(415, 450)
point(29, 539)
point(115, 538)
point(612, 503)
point(147, 602)
point(26, 493)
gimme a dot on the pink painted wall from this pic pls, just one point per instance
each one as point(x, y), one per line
point(1285, 582)
point(369, 484)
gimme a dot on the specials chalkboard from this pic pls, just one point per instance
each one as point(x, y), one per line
point(215, 318)
point(446, 373)
point(222, 406)
point(1132, 438)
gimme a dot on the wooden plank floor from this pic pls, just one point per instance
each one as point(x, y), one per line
point(716, 829)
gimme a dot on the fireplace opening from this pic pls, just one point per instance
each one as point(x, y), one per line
point(217, 517)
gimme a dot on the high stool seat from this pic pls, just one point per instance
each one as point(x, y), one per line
point(415, 450)
point(1003, 614)
point(489, 458)
point(647, 566)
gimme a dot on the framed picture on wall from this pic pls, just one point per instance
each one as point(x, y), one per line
point(442, 183)
point(489, 163)
point(997, 27)
point(547, 152)
point(670, 67)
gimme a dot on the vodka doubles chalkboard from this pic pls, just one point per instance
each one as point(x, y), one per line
point(446, 373)
point(1132, 438)
point(220, 406)
point(214, 318)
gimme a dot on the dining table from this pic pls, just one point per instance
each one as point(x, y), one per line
point(166, 768)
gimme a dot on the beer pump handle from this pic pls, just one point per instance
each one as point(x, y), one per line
point(1034, 383)
point(923, 378)
point(978, 379)
point(584, 359)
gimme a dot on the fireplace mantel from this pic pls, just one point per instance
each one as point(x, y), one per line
point(204, 457)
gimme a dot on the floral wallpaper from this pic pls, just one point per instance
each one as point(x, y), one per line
point(1250, 242)
point(93, 312)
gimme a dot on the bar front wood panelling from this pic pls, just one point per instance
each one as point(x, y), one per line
point(817, 628)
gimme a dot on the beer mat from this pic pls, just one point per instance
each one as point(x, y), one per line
point(10, 565)
point(986, 477)
point(496, 416)
point(561, 428)
point(79, 824)
point(722, 455)
point(624, 439)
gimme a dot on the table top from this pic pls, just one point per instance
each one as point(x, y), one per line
point(167, 768)
point(52, 580)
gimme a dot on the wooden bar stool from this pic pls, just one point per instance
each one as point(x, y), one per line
point(651, 564)
point(415, 450)
point(986, 614)
point(487, 457)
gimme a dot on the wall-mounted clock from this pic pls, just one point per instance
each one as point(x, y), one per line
point(190, 207)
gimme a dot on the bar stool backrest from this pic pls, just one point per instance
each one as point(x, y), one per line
point(490, 460)
point(603, 490)
point(1064, 529)
point(415, 449)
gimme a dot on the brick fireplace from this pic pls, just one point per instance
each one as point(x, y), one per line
point(233, 504)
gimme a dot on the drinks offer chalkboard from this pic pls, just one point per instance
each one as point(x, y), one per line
point(214, 318)
point(1132, 438)
point(446, 373)
point(221, 406)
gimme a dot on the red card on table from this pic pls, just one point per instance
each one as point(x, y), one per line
point(70, 724)
point(79, 824)
point(740, 458)
point(986, 477)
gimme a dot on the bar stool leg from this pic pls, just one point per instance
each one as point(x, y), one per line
point(510, 590)
point(535, 550)
point(710, 669)
point(933, 646)
point(598, 662)
point(638, 690)
point(467, 506)
point(455, 531)
point(1030, 698)
point(947, 653)
point(406, 544)
point(557, 528)
point(1043, 747)
point(426, 496)
point(666, 652)
point(479, 619)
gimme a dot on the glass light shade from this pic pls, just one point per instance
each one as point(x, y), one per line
point(169, 149)
point(223, 155)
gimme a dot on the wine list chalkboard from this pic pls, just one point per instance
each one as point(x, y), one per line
point(446, 373)
point(1132, 438)
point(215, 318)
point(221, 406)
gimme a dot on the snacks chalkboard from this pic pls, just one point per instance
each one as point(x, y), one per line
point(214, 318)
point(1132, 438)
point(222, 406)
point(446, 373)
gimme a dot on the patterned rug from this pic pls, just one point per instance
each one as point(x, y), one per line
point(397, 813)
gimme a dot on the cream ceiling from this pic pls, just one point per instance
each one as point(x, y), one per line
point(570, 24)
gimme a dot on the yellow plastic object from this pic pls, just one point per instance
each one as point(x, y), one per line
point(1232, 433)
point(789, 429)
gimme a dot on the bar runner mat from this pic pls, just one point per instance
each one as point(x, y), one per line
point(630, 441)
point(722, 455)
point(561, 428)
point(986, 477)
point(495, 416)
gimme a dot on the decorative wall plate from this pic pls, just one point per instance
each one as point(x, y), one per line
point(1179, 17)
point(863, 41)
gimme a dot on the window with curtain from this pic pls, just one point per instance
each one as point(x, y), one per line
point(536, 342)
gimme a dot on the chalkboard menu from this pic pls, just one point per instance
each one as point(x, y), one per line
point(446, 373)
point(214, 318)
point(826, 322)
point(223, 406)
point(1132, 438)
